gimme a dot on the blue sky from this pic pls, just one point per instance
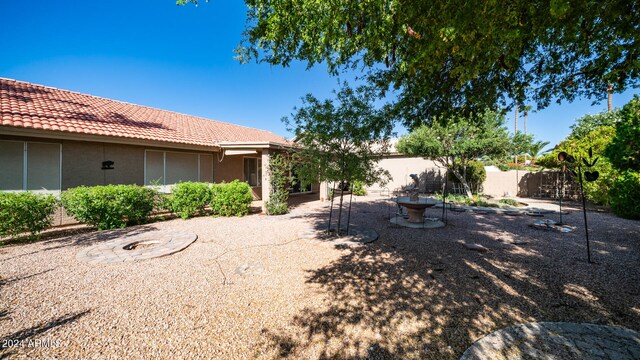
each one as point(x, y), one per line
point(180, 58)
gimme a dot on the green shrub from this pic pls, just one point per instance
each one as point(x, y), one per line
point(111, 206)
point(279, 171)
point(276, 205)
point(25, 212)
point(625, 195)
point(597, 192)
point(482, 203)
point(624, 149)
point(357, 188)
point(509, 202)
point(231, 199)
point(454, 198)
point(475, 175)
point(188, 199)
point(478, 200)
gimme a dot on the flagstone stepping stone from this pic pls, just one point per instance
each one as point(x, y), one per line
point(535, 213)
point(476, 247)
point(550, 225)
point(512, 213)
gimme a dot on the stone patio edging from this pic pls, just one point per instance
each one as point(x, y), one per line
point(557, 340)
point(162, 243)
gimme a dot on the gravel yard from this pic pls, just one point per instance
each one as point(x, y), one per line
point(250, 288)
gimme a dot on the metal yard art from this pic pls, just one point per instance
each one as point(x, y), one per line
point(587, 175)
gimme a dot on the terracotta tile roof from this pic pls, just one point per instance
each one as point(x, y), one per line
point(27, 105)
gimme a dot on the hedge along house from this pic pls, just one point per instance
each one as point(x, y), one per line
point(52, 140)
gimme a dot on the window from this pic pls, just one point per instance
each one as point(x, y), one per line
point(30, 166)
point(297, 186)
point(168, 168)
point(253, 171)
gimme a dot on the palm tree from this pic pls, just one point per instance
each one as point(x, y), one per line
point(535, 149)
point(515, 130)
point(525, 110)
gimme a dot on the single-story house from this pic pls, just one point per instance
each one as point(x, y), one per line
point(52, 140)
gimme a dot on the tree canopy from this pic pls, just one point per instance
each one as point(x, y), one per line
point(343, 139)
point(624, 149)
point(595, 132)
point(451, 57)
point(457, 141)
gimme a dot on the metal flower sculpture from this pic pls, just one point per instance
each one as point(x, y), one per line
point(588, 175)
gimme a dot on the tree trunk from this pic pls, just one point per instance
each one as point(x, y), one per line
point(463, 181)
point(610, 98)
point(340, 209)
point(515, 126)
point(515, 130)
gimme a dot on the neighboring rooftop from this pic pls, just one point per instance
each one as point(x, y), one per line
point(26, 105)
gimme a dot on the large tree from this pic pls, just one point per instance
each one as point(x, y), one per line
point(456, 141)
point(341, 139)
point(457, 57)
point(595, 132)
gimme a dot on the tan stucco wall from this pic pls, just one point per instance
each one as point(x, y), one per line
point(504, 183)
point(400, 168)
point(498, 183)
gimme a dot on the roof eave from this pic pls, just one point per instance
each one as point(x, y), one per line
point(254, 145)
point(73, 136)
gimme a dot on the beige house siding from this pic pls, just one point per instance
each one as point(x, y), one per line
point(229, 169)
point(82, 162)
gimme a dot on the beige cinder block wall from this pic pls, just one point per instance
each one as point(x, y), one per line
point(514, 183)
point(401, 167)
point(503, 183)
point(498, 183)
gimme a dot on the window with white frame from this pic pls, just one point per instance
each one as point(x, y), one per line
point(171, 167)
point(253, 171)
point(30, 165)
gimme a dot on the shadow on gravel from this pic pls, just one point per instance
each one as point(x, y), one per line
point(34, 331)
point(421, 293)
point(88, 239)
point(7, 281)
